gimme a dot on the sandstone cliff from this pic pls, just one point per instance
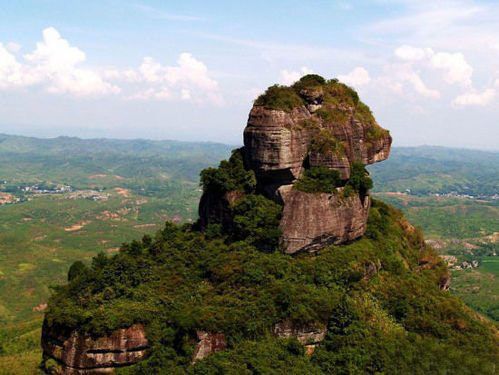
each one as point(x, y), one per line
point(75, 353)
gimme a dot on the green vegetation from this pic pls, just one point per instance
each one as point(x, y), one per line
point(464, 228)
point(309, 81)
point(254, 218)
point(359, 178)
point(36, 251)
point(229, 176)
point(336, 98)
point(430, 170)
point(256, 221)
point(319, 180)
point(180, 281)
point(279, 97)
point(324, 180)
point(145, 182)
point(324, 143)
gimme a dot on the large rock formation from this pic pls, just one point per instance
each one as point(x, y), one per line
point(312, 124)
point(312, 221)
point(76, 353)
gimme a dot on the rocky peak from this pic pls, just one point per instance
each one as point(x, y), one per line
point(314, 122)
point(307, 145)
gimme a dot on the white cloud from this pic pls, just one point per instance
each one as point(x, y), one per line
point(13, 47)
point(185, 94)
point(359, 76)
point(454, 66)
point(409, 53)
point(53, 65)
point(288, 77)
point(419, 86)
point(10, 70)
point(151, 93)
point(456, 69)
point(188, 80)
point(474, 98)
point(401, 78)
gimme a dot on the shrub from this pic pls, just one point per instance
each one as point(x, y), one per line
point(396, 321)
point(308, 81)
point(280, 98)
point(318, 180)
point(323, 142)
point(256, 221)
point(359, 178)
point(229, 176)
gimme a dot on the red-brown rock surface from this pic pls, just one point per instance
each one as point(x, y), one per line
point(77, 353)
point(208, 343)
point(278, 143)
point(311, 221)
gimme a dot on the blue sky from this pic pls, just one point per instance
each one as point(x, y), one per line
point(189, 70)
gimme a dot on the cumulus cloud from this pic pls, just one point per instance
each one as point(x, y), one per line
point(53, 65)
point(409, 53)
point(454, 66)
point(288, 77)
point(56, 67)
point(359, 76)
point(188, 80)
point(474, 98)
point(402, 78)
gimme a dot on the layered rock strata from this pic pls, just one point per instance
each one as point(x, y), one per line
point(312, 221)
point(76, 353)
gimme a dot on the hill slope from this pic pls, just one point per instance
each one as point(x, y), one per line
point(378, 297)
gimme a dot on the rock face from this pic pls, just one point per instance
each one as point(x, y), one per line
point(277, 143)
point(208, 343)
point(309, 336)
point(77, 353)
point(314, 123)
point(312, 221)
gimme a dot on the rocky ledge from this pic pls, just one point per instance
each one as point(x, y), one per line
point(76, 353)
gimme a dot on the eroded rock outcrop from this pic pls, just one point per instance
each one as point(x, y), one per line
point(312, 221)
point(308, 335)
point(313, 125)
point(76, 353)
point(207, 344)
